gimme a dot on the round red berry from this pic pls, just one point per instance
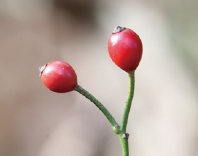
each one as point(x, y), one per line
point(58, 76)
point(125, 48)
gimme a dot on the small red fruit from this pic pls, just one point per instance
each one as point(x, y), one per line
point(125, 48)
point(58, 76)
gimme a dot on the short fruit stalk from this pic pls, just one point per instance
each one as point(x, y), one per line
point(124, 136)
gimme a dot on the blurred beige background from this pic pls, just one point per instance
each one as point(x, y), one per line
point(37, 122)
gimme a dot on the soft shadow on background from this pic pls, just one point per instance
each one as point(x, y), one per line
point(37, 122)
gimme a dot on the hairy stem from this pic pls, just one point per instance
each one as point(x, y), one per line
point(129, 100)
point(123, 135)
point(98, 104)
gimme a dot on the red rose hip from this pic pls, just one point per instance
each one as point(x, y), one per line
point(125, 48)
point(58, 76)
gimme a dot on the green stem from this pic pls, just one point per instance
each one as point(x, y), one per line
point(121, 131)
point(129, 100)
point(123, 135)
point(125, 146)
point(98, 104)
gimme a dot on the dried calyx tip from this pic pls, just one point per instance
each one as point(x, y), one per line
point(118, 29)
point(41, 68)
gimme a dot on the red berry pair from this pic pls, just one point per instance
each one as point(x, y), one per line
point(125, 49)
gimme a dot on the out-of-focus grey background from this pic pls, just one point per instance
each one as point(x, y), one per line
point(164, 114)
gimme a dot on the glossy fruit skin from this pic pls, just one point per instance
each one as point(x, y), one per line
point(58, 76)
point(125, 49)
